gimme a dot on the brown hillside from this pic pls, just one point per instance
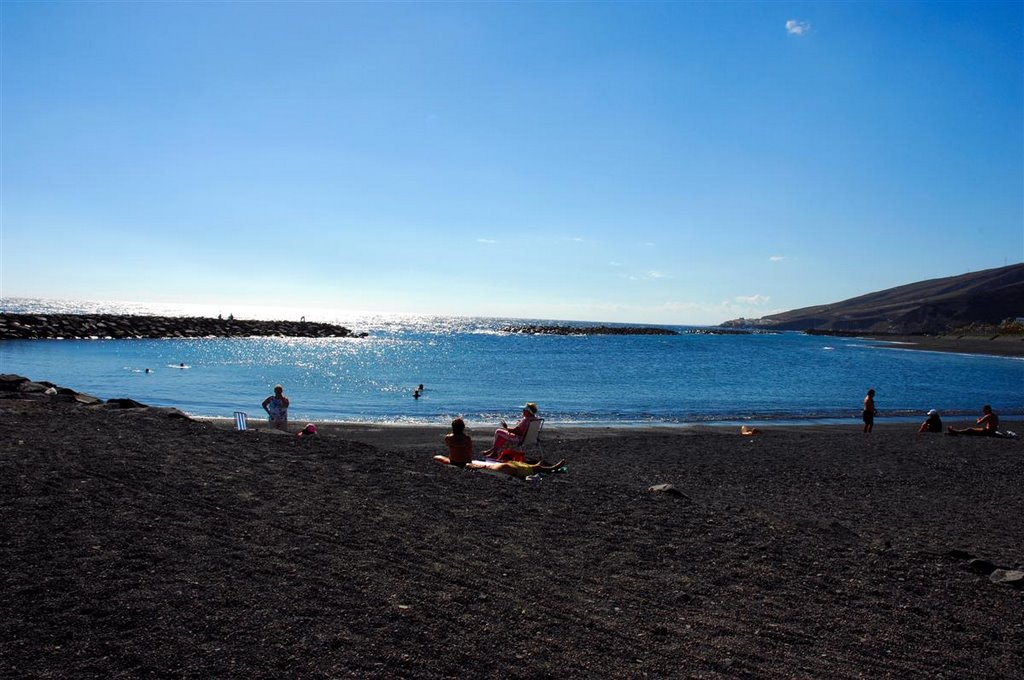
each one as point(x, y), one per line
point(933, 306)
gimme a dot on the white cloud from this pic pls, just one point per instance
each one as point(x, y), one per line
point(486, 240)
point(755, 300)
point(614, 264)
point(777, 258)
point(794, 27)
point(651, 275)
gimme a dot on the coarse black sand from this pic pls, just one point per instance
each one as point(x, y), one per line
point(137, 544)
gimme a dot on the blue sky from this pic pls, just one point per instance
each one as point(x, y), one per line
point(639, 162)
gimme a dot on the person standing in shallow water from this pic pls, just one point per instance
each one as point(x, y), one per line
point(869, 411)
point(276, 406)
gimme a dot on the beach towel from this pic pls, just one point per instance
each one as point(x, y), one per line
point(510, 456)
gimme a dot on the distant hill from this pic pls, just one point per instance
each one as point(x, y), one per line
point(934, 306)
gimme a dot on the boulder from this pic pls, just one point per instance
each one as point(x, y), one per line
point(980, 566)
point(1008, 577)
point(11, 383)
point(668, 489)
point(124, 403)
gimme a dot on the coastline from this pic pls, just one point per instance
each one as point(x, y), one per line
point(997, 345)
point(406, 435)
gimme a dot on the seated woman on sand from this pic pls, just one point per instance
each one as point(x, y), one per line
point(988, 421)
point(505, 437)
point(460, 446)
point(932, 424)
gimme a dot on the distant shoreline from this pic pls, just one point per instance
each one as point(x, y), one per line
point(998, 345)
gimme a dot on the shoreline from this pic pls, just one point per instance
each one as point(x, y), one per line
point(997, 346)
point(405, 435)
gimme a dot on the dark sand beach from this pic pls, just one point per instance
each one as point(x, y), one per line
point(1005, 345)
point(135, 544)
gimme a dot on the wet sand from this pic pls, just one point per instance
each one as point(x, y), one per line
point(134, 543)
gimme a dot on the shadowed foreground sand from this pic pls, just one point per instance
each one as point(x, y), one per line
point(135, 544)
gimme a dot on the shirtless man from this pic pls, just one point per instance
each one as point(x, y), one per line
point(988, 423)
point(869, 411)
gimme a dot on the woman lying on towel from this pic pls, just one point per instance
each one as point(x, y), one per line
point(505, 436)
point(514, 468)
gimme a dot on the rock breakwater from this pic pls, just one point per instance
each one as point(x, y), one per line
point(128, 326)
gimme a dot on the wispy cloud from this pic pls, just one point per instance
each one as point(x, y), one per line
point(777, 258)
point(614, 264)
point(794, 27)
point(486, 240)
point(651, 275)
point(756, 300)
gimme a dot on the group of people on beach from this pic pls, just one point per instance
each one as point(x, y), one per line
point(499, 458)
point(987, 425)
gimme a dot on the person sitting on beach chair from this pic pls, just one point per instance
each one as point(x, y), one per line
point(460, 446)
point(988, 422)
point(505, 437)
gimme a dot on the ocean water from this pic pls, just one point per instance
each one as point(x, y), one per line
point(470, 368)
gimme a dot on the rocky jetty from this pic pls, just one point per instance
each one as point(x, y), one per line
point(125, 326)
point(588, 330)
point(19, 387)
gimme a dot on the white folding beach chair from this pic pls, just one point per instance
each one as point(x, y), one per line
point(241, 421)
point(531, 440)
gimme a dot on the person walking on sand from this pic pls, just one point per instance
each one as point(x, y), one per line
point(460, 446)
point(869, 411)
point(988, 423)
point(505, 436)
point(276, 406)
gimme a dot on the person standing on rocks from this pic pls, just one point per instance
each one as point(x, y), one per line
point(276, 406)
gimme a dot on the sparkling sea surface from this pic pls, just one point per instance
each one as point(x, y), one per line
point(470, 368)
